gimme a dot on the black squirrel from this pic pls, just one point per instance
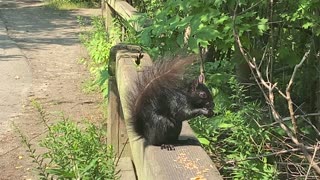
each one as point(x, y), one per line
point(163, 97)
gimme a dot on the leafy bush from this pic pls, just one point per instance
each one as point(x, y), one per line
point(188, 24)
point(77, 153)
point(233, 137)
point(71, 4)
point(98, 43)
point(72, 152)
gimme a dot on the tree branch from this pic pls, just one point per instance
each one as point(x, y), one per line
point(276, 153)
point(270, 97)
point(288, 94)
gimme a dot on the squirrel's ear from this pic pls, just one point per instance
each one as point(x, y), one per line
point(197, 81)
point(195, 84)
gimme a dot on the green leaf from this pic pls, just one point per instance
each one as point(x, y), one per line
point(184, 22)
point(222, 19)
point(262, 25)
point(180, 40)
point(307, 25)
point(174, 21)
point(204, 141)
point(90, 165)
point(61, 172)
point(225, 125)
point(207, 34)
point(193, 45)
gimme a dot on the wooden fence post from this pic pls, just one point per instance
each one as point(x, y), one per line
point(116, 129)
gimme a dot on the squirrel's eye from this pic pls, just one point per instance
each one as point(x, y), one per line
point(202, 94)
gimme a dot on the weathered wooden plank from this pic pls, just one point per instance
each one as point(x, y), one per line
point(116, 129)
point(187, 161)
point(121, 61)
point(111, 2)
point(107, 13)
point(125, 78)
point(126, 169)
point(125, 11)
point(113, 114)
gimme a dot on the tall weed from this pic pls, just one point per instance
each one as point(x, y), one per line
point(71, 152)
point(98, 43)
point(72, 4)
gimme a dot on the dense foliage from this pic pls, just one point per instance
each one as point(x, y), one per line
point(98, 43)
point(255, 132)
point(72, 4)
point(233, 137)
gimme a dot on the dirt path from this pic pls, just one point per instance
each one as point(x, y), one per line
point(39, 54)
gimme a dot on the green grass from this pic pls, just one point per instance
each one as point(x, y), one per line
point(68, 5)
point(98, 43)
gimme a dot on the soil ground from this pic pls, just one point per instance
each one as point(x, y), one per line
point(39, 60)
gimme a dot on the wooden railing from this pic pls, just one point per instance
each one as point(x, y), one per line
point(150, 162)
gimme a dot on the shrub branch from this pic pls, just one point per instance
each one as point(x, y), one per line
point(267, 88)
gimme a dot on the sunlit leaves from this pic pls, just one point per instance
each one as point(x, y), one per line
point(207, 24)
point(262, 25)
point(98, 43)
point(307, 25)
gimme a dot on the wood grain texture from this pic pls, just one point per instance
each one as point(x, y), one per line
point(124, 10)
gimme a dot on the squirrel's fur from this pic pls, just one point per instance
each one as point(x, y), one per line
point(162, 98)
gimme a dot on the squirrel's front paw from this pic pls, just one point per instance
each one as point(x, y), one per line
point(207, 113)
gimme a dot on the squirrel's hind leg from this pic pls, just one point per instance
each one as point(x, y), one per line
point(163, 131)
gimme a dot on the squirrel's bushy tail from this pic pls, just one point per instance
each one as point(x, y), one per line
point(164, 74)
